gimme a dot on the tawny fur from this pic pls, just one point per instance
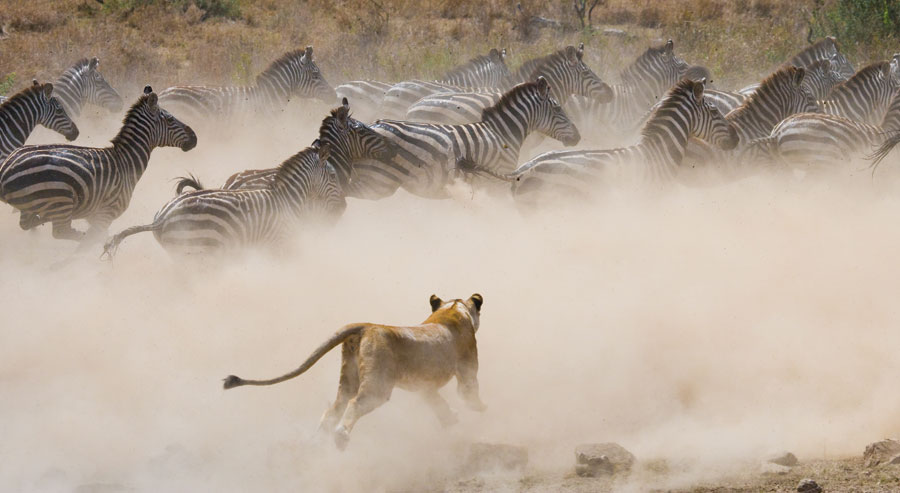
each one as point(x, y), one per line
point(421, 358)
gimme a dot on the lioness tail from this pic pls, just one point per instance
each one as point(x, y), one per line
point(339, 337)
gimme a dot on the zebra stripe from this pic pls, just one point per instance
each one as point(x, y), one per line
point(865, 97)
point(484, 74)
point(207, 221)
point(294, 74)
point(83, 84)
point(60, 183)
point(27, 109)
point(811, 140)
point(824, 49)
point(427, 154)
point(348, 140)
point(366, 96)
point(656, 158)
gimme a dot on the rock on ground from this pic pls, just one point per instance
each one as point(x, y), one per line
point(594, 459)
point(808, 486)
point(783, 459)
point(881, 452)
point(484, 457)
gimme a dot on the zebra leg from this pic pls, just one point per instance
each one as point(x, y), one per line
point(63, 230)
point(348, 386)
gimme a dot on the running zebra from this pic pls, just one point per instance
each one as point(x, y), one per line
point(213, 221)
point(61, 183)
point(294, 74)
point(348, 140)
point(866, 96)
point(428, 154)
point(365, 95)
point(816, 141)
point(644, 82)
point(27, 109)
point(655, 158)
point(482, 74)
point(565, 70)
point(83, 84)
point(822, 50)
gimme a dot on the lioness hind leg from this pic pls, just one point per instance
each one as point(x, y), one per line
point(347, 387)
point(370, 396)
point(445, 414)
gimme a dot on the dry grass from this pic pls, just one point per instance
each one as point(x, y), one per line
point(162, 43)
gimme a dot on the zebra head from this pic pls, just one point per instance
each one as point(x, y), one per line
point(165, 129)
point(326, 196)
point(895, 68)
point(98, 90)
point(821, 77)
point(51, 112)
point(697, 73)
point(351, 140)
point(655, 71)
point(296, 74)
point(548, 116)
point(707, 122)
point(839, 61)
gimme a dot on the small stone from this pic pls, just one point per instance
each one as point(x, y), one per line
point(895, 460)
point(495, 456)
point(601, 459)
point(784, 459)
point(881, 452)
point(808, 486)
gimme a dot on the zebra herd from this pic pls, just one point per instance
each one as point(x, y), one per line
point(422, 135)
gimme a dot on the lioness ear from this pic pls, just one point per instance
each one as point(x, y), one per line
point(477, 300)
point(435, 302)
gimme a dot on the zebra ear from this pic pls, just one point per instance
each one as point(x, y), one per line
point(345, 103)
point(94, 63)
point(886, 70)
point(148, 89)
point(571, 55)
point(698, 88)
point(826, 65)
point(35, 83)
point(307, 55)
point(48, 90)
point(435, 303)
point(324, 152)
point(153, 101)
point(543, 87)
point(799, 74)
point(503, 54)
point(580, 52)
point(670, 46)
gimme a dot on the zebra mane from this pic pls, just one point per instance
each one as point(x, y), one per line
point(335, 113)
point(80, 66)
point(828, 45)
point(306, 158)
point(23, 94)
point(681, 90)
point(479, 61)
point(768, 86)
point(507, 97)
point(132, 113)
point(862, 76)
point(275, 67)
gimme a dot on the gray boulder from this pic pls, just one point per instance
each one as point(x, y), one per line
point(783, 459)
point(808, 486)
point(598, 459)
point(881, 452)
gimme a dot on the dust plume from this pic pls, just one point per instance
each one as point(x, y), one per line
point(702, 326)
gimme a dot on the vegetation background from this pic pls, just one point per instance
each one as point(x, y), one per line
point(166, 42)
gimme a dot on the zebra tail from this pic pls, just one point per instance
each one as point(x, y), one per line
point(187, 181)
point(111, 246)
point(339, 337)
point(886, 147)
point(467, 166)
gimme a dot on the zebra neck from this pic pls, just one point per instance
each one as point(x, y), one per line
point(132, 146)
point(70, 91)
point(635, 97)
point(510, 130)
point(16, 117)
point(664, 147)
point(270, 93)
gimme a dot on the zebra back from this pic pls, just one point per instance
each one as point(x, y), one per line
point(865, 97)
point(28, 108)
point(567, 74)
point(294, 74)
point(482, 71)
point(779, 95)
point(83, 83)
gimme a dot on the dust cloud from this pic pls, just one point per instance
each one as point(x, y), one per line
point(705, 327)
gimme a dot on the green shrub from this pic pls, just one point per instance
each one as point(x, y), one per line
point(7, 83)
point(229, 9)
point(856, 21)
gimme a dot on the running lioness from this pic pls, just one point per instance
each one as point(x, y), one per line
point(376, 358)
